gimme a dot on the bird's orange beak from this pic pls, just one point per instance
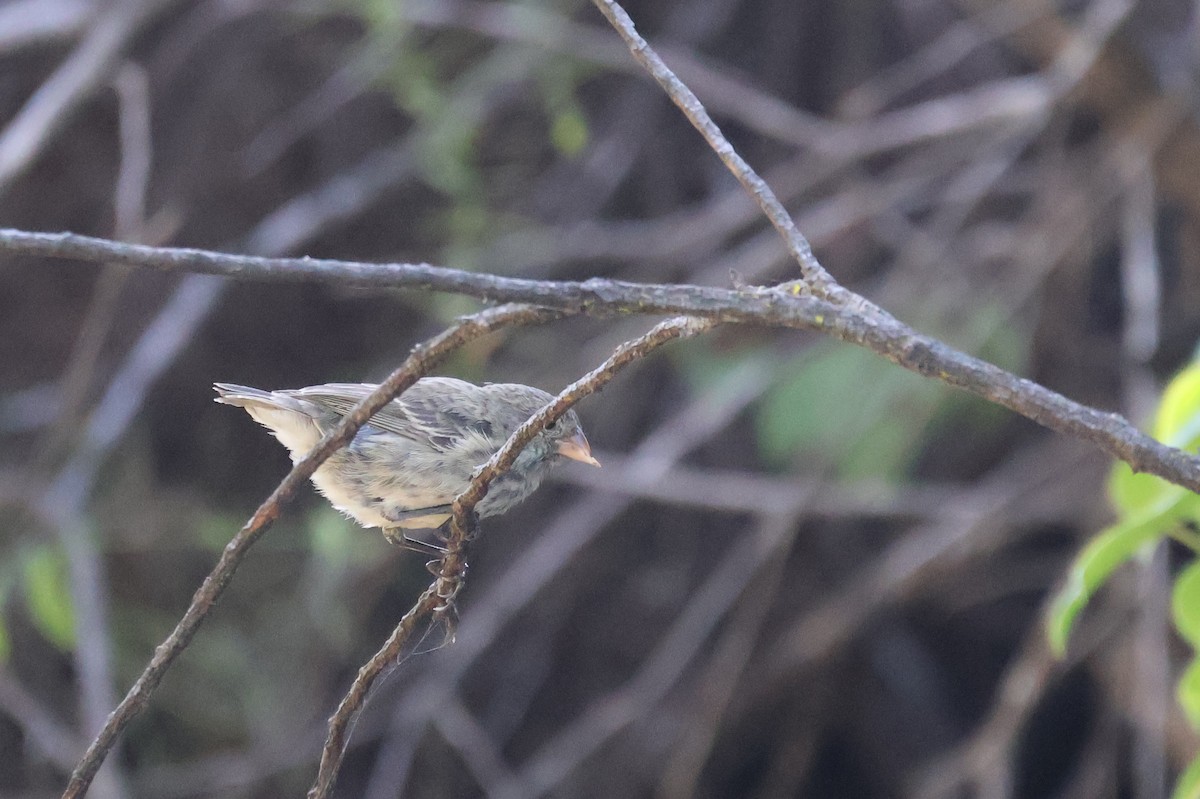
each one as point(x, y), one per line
point(577, 448)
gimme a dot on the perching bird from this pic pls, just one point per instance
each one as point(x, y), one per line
point(404, 467)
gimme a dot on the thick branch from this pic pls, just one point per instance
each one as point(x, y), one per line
point(424, 356)
point(876, 330)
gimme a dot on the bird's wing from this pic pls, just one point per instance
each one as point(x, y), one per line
point(427, 413)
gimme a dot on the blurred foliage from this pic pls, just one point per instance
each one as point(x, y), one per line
point(841, 394)
point(48, 595)
point(443, 81)
point(844, 408)
point(1185, 611)
point(559, 82)
point(1188, 785)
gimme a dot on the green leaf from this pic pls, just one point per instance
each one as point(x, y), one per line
point(5, 643)
point(48, 596)
point(1131, 492)
point(1185, 604)
point(1177, 422)
point(1188, 785)
point(1103, 554)
point(1149, 507)
point(1185, 611)
point(1187, 692)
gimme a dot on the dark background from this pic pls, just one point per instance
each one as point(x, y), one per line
point(801, 573)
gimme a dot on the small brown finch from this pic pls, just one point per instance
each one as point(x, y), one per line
point(405, 466)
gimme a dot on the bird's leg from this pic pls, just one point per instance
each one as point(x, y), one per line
point(401, 539)
point(443, 530)
point(424, 547)
point(398, 515)
point(405, 541)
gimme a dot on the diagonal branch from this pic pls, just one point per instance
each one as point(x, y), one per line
point(424, 356)
point(818, 280)
point(452, 567)
point(352, 702)
point(502, 461)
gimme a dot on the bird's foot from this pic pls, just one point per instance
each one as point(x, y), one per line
point(397, 536)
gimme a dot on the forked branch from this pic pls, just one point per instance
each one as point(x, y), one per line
point(856, 322)
point(819, 303)
point(424, 356)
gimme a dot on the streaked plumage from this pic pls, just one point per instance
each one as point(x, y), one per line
point(420, 450)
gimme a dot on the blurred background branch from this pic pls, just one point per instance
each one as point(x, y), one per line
point(1015, 178)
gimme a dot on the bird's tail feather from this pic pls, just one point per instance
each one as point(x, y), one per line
point(242, 396)
point(293, 421)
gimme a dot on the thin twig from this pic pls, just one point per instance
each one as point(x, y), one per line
point(630, 351)
point(463, 519)
point(423, 357)
point(89, 582)
point(881, 334)
point(440, 594)
point(566, 534)
point(820, 282)
point(277, 233)
point(339, 722)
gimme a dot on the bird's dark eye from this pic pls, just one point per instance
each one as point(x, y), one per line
point(555, 426)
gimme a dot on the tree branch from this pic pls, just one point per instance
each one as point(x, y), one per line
point(785, 306)
point(424, 356)
point(502, 461)
point(819, 303)
point(452, 567)
point(339, 722)
point(819, 281)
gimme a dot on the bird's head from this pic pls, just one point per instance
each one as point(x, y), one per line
point(561, 438)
